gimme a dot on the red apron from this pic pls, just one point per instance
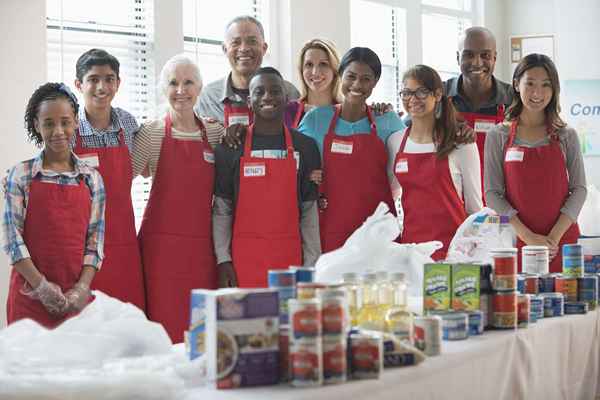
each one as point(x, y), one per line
point(432, 208)
point(236, 114)
point(266, 229)
point(354, 183)
point(121, 272)
point(176, 233)
point(537, 186)
point(55, 234)
point(299, 115)
point(482, 124)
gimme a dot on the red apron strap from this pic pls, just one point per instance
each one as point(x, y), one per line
point(371, 121)
point(333, 122)
point(299, 114)
point(403, 143)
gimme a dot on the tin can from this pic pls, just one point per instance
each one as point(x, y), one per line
point(334, 359)
point(306, 363)
point(567, 286)
point(455, 326)
point(521, 283)
point(505, 310)
point(523, 310)
point(366, 355)
point(587, 288)
point(304, 274)
point(284, 353)
point(576, 307)
point(334, 311)
point(535, 260)
point(305, 318)
point(537, 308)
point(486, 307)
point(475, 323)
point(547, 283)
point(572, 260)
point(281, 278)
point(504, 267)
point(532, 283)
point(428, 334)
point(553, 304)
point(591, 254)
point(308, 290)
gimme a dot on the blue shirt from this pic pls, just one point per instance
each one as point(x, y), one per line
point(94, 138)
point(316, 123)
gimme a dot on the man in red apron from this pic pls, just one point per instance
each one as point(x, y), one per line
point(104, 140)
point(477, 95)
point(265, 213)
point(225, 100)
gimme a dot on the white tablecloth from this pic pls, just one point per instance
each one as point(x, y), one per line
point(555, 358)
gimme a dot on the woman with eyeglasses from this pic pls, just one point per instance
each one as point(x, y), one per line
point(436, 178)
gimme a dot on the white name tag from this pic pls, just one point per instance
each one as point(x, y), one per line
point(255, 169)
point(297, 158)
point(209, 157)
point(90, 159)
point(340, 146)
point(402, 166)
point(484, 126)
point(239, 119)
point(514, 154)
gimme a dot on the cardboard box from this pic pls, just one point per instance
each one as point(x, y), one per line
point(436, 287)
point(465, 286)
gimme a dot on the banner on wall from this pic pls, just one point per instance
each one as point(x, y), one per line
point(581, 109)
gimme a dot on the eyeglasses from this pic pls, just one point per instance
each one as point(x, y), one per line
point(421, 93)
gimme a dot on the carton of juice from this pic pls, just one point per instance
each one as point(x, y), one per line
point(436, 287)
point(465, 287)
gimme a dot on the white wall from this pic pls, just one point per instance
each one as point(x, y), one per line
point(22, 70)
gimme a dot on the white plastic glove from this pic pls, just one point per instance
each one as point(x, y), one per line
point(50, 295)
point(78, 297)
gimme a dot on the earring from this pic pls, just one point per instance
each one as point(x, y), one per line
point(438, 110)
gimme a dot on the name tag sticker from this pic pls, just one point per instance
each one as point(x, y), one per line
point(341, 146)
point(402, 166)
point(243, 119)
point(514, 154)
point(482, 125)
point(90, 159)
point(297, 158)
point(255, 169)
point(209, 156)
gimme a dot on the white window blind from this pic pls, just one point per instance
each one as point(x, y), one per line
point(124, 28)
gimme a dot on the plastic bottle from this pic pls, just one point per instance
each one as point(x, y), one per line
point(354, 288)
point(398, 320)
point(369, 316)
point(385, 292)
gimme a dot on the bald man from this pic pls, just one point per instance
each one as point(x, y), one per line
point(480, 98)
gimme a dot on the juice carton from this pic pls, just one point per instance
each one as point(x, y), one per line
point(436, 287)
point(465, 287)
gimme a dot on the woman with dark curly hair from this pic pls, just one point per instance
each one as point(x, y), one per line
point(53, 225)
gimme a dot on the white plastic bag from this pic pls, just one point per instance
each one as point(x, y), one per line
point(372, 247)
point(589, 217)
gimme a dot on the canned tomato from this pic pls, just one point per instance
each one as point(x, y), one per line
point(547, 283)
point(536, 308)
point(505, 310)
point(308, 290)
point(304, 274)
point(572, 260)
point(587, 288)
point(428, 334)
point(284, 353)
point(334, 359)
point(455, 326)
point(523, 310)
point(567, 286)
point(475, 323)
point(305, 318)
point(535, 259)
point(306, 363)
point(504, 265)
point(334, 311)
point(553, 304)
point(576, 307)
point(532, 283)
point(366, 355)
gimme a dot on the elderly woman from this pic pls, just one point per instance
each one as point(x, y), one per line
point(176, 233)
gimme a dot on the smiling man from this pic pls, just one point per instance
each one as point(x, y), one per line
point(265, 213)
point(477, 95)
point(225, 100)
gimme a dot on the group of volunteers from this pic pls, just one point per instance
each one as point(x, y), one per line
point(249, 174)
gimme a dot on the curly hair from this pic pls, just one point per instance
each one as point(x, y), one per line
point(46, 92)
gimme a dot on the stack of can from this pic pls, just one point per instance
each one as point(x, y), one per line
point(455, 325)
point(504, 283)
point(567, 286)
point(305, 339)
point(553, 304)
point(524, 310)
point(335, 322)
point(547, 283)
point(572, 260)
point(537, 308)
point(428, 334)
point(587, 288)
point(284, 281)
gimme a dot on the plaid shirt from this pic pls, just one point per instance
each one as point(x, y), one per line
point(16, 187)
point(119, 118)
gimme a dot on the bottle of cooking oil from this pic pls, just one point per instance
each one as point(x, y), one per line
point(385, 292)
point(398, 320)
point(354, 289)
point(369, 316)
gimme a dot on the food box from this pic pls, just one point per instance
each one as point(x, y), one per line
point(465, 287)
point(238, 332)
point(436, 287)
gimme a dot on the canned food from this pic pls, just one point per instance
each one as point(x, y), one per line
point(306, 363)
point(535, 259)
point(455, 326)
point(572, 260)
point(521, 283)
point(567, 286)
point(305, 318)
point(523, 310)
point(334, 311)
point(537, 308)
point(547, 283)
point(304, 274)
point(428, 334)
point(553, 304)
point(504, 267)
point(281, 278)
point(308, 290)
point(505, 310)
point(532, 284)
point(576, 307)
point(366, 355)
point(284, 353)
point(334, 360)
point(475, 323)
point(587, 288)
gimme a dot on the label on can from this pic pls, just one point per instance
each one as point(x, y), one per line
point(334, 360)
point(305, 318)
point(505, 310)
point(523, 310)
point(428, 334)
point(306, 364)
point(281, 278)
point(366, 356)
point(568, 287)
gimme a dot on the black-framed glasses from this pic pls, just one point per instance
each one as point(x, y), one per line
point(421, 93)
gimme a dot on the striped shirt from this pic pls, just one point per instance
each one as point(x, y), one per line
point(109, 137)
point(16, 186)
point(148, 141)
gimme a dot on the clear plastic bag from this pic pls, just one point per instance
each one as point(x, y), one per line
point(589, 217)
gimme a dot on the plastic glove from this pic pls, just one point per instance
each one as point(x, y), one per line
point(78, 297)
point(50, 295)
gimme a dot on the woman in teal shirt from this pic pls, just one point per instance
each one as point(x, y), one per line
point(352, 144)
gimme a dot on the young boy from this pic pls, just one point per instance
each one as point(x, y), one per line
point(105, 140)
point(265, 184)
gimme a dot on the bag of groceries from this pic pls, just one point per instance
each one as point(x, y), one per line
point(589, 217)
